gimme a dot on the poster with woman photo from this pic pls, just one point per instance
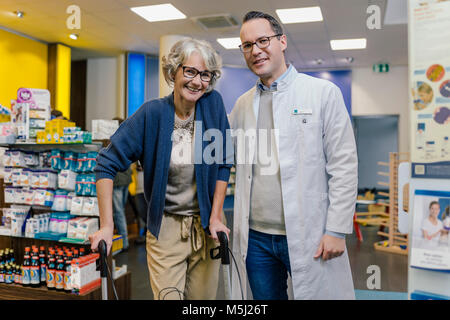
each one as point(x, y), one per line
point(431, 226)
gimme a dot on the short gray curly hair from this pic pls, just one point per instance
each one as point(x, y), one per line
point(182, 50)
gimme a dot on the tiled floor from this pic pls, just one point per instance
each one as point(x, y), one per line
point(393, 267)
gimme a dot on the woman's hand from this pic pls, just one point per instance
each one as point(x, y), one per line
point(215, 226)
point(102, 234)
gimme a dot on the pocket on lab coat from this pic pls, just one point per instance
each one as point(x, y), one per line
point(311, 135)
point(315, 215)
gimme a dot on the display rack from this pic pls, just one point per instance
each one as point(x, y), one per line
point(19, 292)
point(18, 243)
point(396, 242)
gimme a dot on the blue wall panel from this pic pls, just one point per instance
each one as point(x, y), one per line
point(233, 83)
point(341, 78)
point(136, 65)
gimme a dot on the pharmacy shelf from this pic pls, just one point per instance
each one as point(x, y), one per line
point(46, 208)
point(20, 292)
point(86, 243)
point(79, 147)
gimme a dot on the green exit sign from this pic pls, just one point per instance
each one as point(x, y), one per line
point(380, 67)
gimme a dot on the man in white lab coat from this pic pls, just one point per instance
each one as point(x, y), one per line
point(296, 176)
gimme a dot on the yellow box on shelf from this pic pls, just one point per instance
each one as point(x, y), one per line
point(117, 243)
point(47, 135)
point(40, 136)
point(5, 118)
point(57, 134)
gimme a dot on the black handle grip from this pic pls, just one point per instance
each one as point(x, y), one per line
point(223, 239)
point(102, 249)
point(223, 248)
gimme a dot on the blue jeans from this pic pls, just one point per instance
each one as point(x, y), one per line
point(120, 196)
point(268, 265)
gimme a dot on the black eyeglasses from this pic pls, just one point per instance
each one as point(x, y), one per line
point(261, 43)
point(191, 72)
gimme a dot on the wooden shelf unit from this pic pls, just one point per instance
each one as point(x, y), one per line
point(395, 242)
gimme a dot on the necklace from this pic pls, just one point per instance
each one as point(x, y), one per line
point(184, 129)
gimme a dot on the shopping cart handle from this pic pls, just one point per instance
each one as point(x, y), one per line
point(103, 254)
point(223, 248)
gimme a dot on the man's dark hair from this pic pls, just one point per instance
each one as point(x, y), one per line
point(274, 24)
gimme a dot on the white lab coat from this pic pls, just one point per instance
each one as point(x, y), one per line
point(318, 168)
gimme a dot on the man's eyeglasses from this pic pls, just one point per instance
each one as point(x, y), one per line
point(191, 72)
point(261, 43)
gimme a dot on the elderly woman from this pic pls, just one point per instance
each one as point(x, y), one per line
point(185, 197)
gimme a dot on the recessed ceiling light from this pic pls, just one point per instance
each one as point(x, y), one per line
point(299, 15)
point(19, 14)
point(348, 44)
point(159, 12)
point(73, 36)
point(230, 43)
point(318, 61)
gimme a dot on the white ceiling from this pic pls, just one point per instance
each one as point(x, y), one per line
point(109, 27)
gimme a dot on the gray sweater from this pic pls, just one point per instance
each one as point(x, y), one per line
point(181, 193)
point(266, 206)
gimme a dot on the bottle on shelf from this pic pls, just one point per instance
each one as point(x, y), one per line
point(82, 253)
point(2, 274)
point(51, 269)
point(26, 277)
point(8, 277)
point(35, 277)
point(67, 273)
point(43, 264)
point(6, 256)
point(17, 274)
point(2, 261)
point(59, 274)
point(21, 274)
point(12, 258)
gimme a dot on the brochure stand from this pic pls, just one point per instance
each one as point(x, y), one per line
point(429, 105)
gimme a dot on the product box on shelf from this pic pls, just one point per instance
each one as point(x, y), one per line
point(54, 130)
point(81, 228)
point(36, 225)
point(7, 132)
point(67, 180)
point(38, 99)
point(5, 114)
point(29, 196)
point(117, 244)
point(84, 275)
point(103, 129)
point(29, 112)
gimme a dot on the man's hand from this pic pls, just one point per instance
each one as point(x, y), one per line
point(330, 247)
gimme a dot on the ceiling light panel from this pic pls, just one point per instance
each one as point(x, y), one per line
point(159, 12)
point(348, 44)
point(230, 43)
point(299, 15)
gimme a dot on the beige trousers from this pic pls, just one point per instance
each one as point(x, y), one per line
point(179, 262)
